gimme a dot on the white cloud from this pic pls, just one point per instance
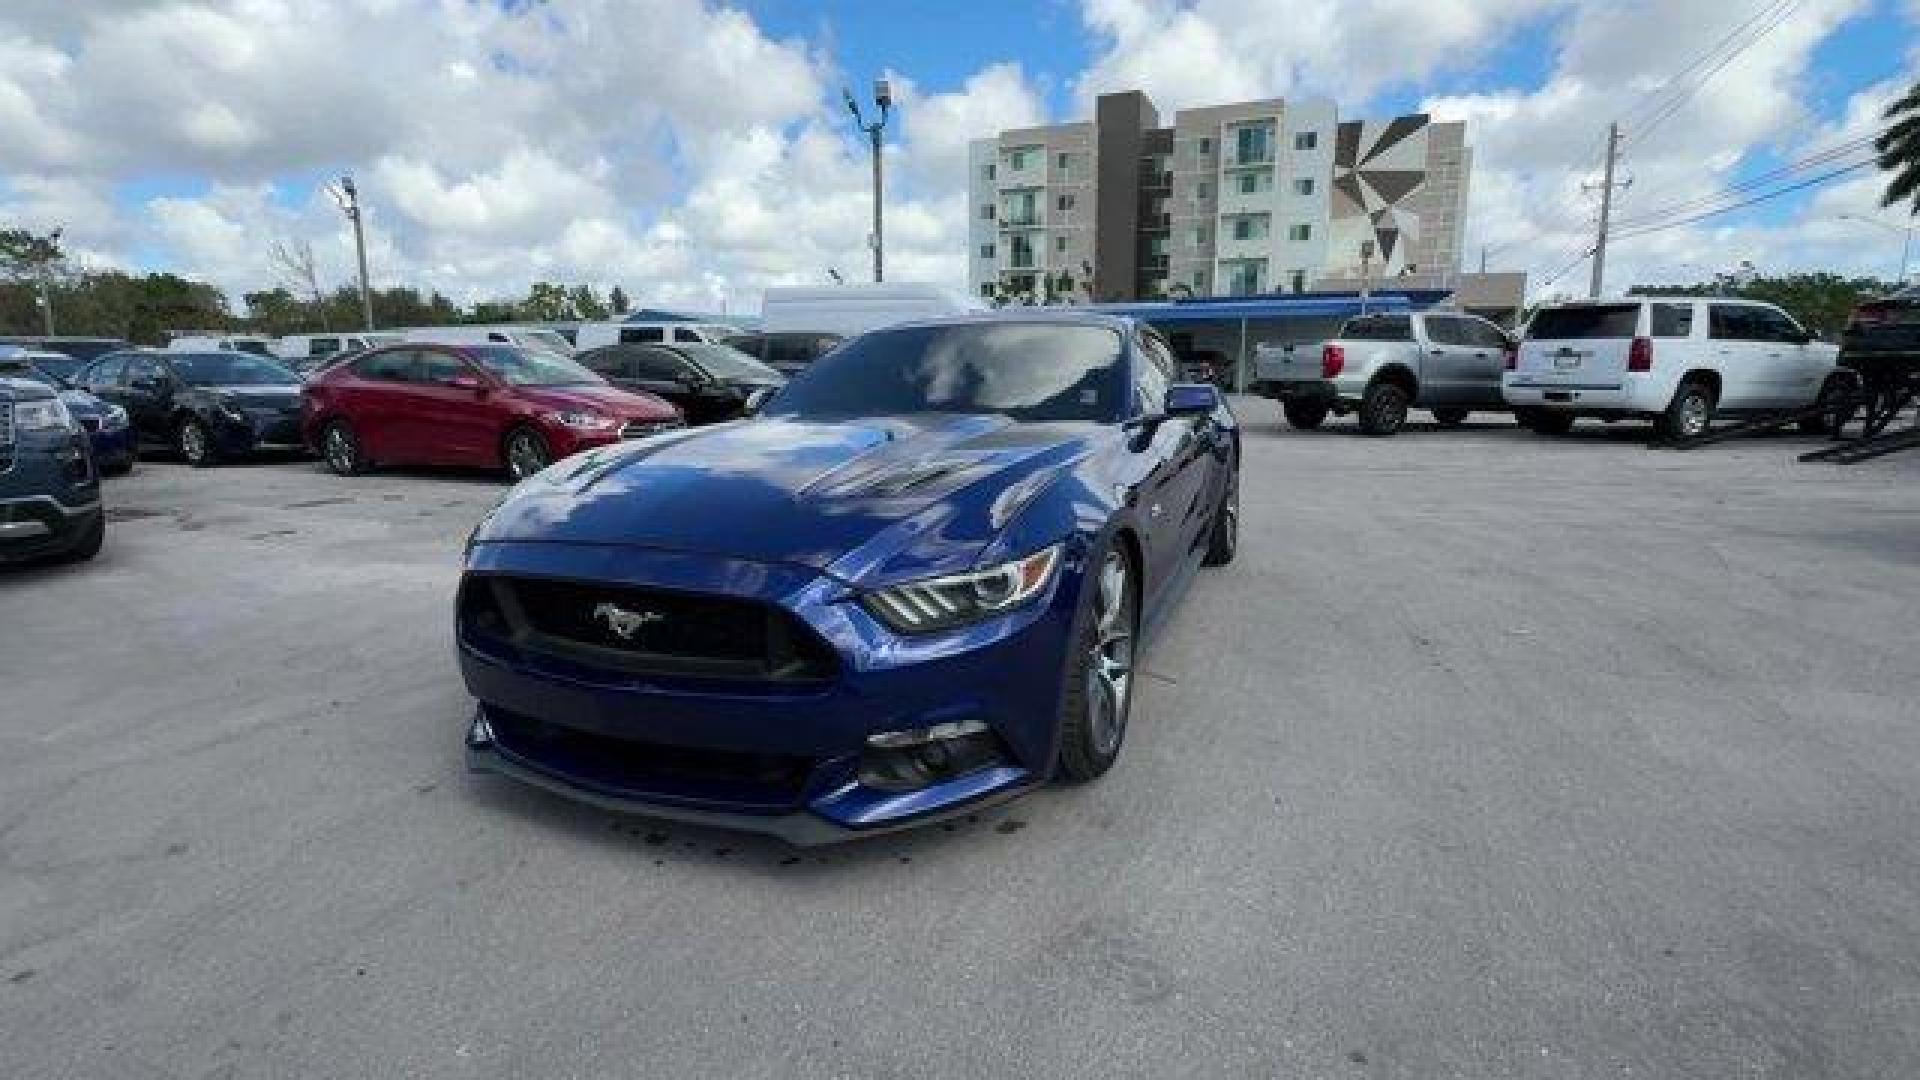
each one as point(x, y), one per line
point(678, 150)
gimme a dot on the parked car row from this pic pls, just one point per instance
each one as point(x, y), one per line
point(49, 488)
point(1677, 361)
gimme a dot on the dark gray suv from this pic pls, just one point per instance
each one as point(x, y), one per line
point(49, 491)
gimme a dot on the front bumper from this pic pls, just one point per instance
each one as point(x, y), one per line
point(260, 429)
point(614, 739)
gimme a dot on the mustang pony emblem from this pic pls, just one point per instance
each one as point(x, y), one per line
point(622, 623)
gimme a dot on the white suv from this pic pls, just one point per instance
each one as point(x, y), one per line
point(1676, 360)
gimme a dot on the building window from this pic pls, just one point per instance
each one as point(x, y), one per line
point(1306, 140)
point(990, 170)
point(1199, 281)
point(1066, 202)
point(1060, 162)
point(1017, 160)
point(1060, 244)
point(986, 290)
point(986, 212)
point(1252, 183)
point(1303, 186)
point(986, 251)
point(1250, 227)
point(1202, 235)
point(1299, 281)
point(1245, 277)
point(1251, 146)
point(1300, 231)
point(1206, 147)
point(1201, 190)
point(1022, 209)
point(1022, 252)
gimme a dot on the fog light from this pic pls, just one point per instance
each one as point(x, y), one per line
point(914, 758)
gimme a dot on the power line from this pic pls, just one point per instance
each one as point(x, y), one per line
point(1775, 13)
point(1646, 100)
point(1816, 181)
point(1774, 175)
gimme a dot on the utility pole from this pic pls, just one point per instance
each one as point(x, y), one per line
point(1483, 258)
point(349, 199)
point(882, 97)
point(46, 279)
point(1606, 211)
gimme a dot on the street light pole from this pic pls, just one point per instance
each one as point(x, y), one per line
point(349, 199)
point(1906, 243)
point(883, 98)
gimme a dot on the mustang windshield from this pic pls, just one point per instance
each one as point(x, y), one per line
point(1033, 372)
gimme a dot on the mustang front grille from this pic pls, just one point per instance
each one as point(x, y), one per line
point(646, 631)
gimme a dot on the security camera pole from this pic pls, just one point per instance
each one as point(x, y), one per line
point(883, 97)
point(349, 199)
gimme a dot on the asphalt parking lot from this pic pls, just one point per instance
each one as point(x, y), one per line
point(1491, 756)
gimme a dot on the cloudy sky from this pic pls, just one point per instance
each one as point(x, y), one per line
point(696, 153)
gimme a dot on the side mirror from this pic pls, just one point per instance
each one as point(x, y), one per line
point(1192, 399)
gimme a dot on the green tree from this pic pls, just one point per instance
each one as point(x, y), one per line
point(584, 303)
point(1899, 150)
point(1820, 302)
point(546, 302)
point(617, 300)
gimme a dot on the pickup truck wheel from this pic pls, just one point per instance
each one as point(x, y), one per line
point(1542, 422)
point(1450, 417)
point(1305, 415)
point(1689, 414)
point(1383, 409)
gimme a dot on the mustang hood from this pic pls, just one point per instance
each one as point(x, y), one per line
point(843, 497)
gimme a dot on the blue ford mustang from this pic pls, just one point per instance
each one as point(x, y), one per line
point(914, 585)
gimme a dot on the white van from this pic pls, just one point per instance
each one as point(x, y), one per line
point(595, 334)
point(246, 343)
point(1676, 360)
point(849, 310)
point(525, 337)
point(298, 347)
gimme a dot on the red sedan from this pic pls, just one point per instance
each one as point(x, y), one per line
point(487, 406)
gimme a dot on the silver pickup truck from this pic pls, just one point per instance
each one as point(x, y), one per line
point(1381, 366)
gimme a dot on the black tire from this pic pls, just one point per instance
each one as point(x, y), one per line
point(1450, 417)
point(90, 541)
point(1088, 743)
point(524, 452)
point(1689, 414)
point(340, 449)
point(1543, 422)
point(1829, 420)
point(1383, 409)
point(195, 443)
point(1305, 415)
point(119, 468)
point(1224, 540)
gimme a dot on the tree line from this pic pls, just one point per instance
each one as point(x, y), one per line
point(145, 308)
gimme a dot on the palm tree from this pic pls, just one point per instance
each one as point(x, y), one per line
point(1899, 150)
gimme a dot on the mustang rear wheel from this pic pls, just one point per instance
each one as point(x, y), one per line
point(1100, 683)
point(1225, 539)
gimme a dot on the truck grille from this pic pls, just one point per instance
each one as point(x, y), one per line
point(646, 631)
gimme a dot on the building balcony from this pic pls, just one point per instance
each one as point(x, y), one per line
point(1249, 161)
point(1022, 221)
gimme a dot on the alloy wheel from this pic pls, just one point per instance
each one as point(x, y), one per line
point(525, 455)
point(1693, 414)
point(193, 443)
point(339, 448)
point(1110, 664)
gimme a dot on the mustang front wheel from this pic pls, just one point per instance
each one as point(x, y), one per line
point(1100, 684)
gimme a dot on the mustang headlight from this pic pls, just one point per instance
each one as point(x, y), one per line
point(583, 421)
point(49, 414)
point(923, 607)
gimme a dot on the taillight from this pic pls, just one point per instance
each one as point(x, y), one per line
point(1640, 355)
point(1513, 358)
point(1333, 360)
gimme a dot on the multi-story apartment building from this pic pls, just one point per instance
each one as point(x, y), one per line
point(1242, 199)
